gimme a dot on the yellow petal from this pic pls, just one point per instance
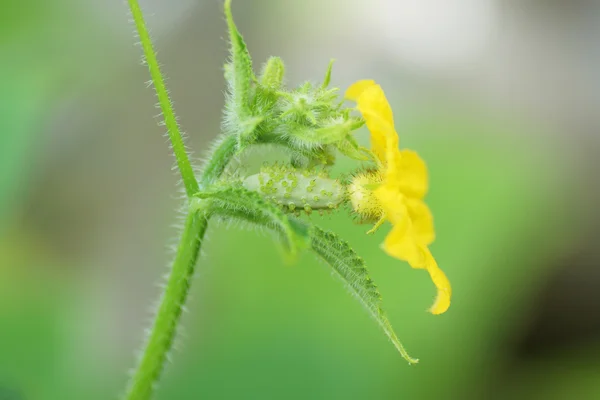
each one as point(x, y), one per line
point(393, 174)
point(406, 171)
point(372, 101)
point(412, 231)
point(422, 221)
point(383, 135)
point(414, 180)
point(392, 202)
point(441, 282)
point(357, 88)
point(401, 242)
point(376, 110)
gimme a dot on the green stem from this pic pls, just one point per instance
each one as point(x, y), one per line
point(160, 340)
point(223, 153)
point(161, 336)
point(185, 168)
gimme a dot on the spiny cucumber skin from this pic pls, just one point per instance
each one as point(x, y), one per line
point(297, 190)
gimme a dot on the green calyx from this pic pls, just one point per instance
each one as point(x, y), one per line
point(308, 121)
point(297, 190)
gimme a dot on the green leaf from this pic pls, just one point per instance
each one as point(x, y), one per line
point(353, 272)
point(240, 74)
point(237, 203)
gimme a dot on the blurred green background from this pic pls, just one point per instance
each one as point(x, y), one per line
point(500, 98)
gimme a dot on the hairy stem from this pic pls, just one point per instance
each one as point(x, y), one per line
point(161, 335)
point(219, 159)
point(183, 162)
point(160, 340)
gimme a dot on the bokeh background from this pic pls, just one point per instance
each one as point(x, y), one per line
point(499, 96)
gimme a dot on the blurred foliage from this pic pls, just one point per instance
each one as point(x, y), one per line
point(17, 122)
point(37, 70)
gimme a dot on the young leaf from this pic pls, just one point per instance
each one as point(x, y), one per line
point(239, 75)
point(353, 272)
point(237, 203)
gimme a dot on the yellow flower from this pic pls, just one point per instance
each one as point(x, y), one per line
point(394, 192)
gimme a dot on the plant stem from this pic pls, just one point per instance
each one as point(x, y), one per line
point(183, 162)
point(223, 153)
point(160, 340)
point(161, 336)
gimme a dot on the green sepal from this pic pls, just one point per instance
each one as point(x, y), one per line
point(238, 203)
point(336, 131)
point(351, 269)
point(350, 148)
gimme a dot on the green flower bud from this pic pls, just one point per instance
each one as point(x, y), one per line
point(272, 74)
